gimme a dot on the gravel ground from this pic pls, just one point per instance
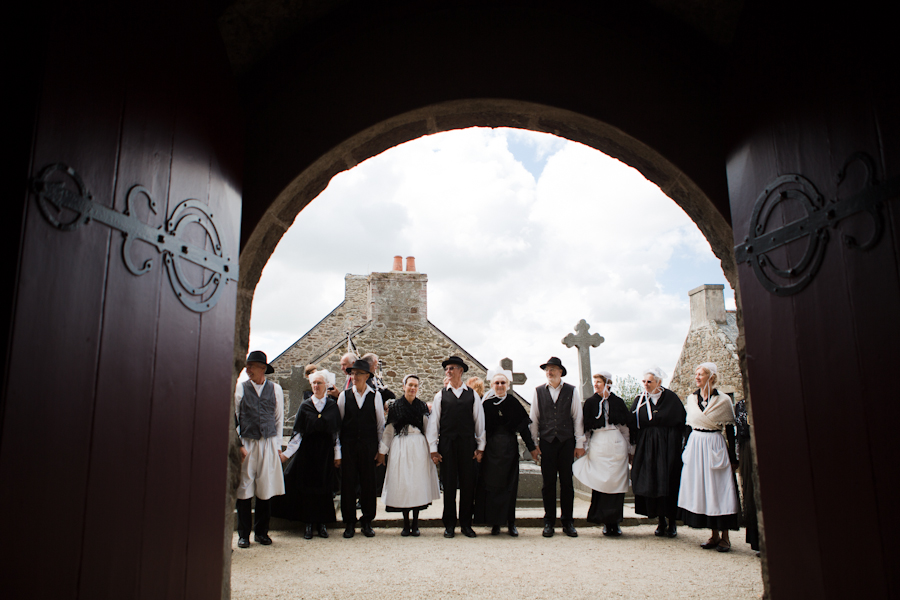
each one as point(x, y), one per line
point(637, 565)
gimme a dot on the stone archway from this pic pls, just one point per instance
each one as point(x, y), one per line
point(308, 184)
point(262, 240)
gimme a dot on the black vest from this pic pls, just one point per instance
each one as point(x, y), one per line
point(359, 424)
point(257, 412)
point(555, 420)
point(456, 414)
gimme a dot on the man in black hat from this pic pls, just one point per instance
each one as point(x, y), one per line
point(259, 411)
point(557, 427)
point(362, 423)
point(456, 436)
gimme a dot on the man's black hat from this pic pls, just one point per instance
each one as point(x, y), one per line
point(554, 362)
point(260, 357)
point(455, 360)
point(360, 365)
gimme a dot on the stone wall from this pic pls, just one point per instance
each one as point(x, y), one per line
point(389, 314)
point(712, 338)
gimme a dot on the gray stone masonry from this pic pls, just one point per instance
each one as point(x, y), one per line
point(386, 313)
point(712, 338)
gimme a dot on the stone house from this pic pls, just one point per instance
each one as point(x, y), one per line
point(384, 313)
point(711, 338)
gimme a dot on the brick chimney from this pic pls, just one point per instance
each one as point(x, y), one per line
point(707, 304)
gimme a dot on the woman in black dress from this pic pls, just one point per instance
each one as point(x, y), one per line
point(499, 475)
point(656, 468)
point(745, 467)
point(309, 474)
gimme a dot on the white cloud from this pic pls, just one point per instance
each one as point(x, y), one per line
point(513, 262)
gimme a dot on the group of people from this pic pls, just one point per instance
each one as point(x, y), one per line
point(682, 456)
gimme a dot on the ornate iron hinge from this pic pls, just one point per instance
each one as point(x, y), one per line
point(821, 215)
point(55, 193)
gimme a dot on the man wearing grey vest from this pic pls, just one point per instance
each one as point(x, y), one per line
point(259, 411)
point(557, 427)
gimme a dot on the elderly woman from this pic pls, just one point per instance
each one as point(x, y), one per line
point(656, 467)
point(608, 426)
point(499, 479)
point(707, 496)
point(309, 476)
point(410, 482)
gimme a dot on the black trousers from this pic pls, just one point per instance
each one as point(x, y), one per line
point(458, 472)
point(358, 468)
point(263, 514)
point(556, 461)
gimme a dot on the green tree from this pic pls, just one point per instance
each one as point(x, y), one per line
point(627, 388)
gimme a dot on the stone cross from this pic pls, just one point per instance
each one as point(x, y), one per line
point(518, 378)
point(294, 386)
point(584, 342)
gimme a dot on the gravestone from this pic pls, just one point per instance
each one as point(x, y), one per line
point(518, 378)
point(293, 387)
point(584, 342)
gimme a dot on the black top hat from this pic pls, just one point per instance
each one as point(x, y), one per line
point(455, 360)
point(260, 357)
point(360, 365)
point(554, 362)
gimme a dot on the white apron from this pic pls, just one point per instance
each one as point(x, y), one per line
point(707, 484)
point(411, 479)
point(261, 473)
point(605, 466)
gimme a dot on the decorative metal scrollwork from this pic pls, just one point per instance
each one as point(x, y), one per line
point(821, 215)
point(59, 187)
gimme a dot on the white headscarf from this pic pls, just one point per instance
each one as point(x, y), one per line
point(490, 379)
point(646, 398)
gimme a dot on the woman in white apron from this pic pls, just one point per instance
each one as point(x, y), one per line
point(604, 468)
point(707, 496)
point(410, 482)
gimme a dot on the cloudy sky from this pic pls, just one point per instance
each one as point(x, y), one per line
point(521, 234)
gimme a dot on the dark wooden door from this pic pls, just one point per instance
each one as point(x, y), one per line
point(811, 92)
point(116, 404)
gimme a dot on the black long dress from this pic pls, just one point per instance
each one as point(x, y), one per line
point(309, 474)
point(656, 467)
point(498, 481)
point(607, 508)
point(745, 460)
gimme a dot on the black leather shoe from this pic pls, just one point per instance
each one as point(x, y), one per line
point(323, 532)
point(710, 544)
point(307, 534)
point(612, 530)
point(495, 530)
point(569, 529)
point(349, 531)
point(513, 531)
point(548, 530)
point(243, 542)
point(722, 548)
point(448, 533)
point(262, 538)
point(672, 530)
point(467, 531)
point(366, 529)
point(414, 532)
point(661, 528)
point(405, 532)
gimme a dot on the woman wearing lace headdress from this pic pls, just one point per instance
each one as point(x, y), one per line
point(609, 428)
point(656, 467)
point(410, 482)
point(707, 495)
point(498, 482)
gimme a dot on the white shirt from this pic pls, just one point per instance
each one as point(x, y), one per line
point(434, 422)
point(279, 403)
point(360, 399)
point(577, 416)
point(294, 444)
